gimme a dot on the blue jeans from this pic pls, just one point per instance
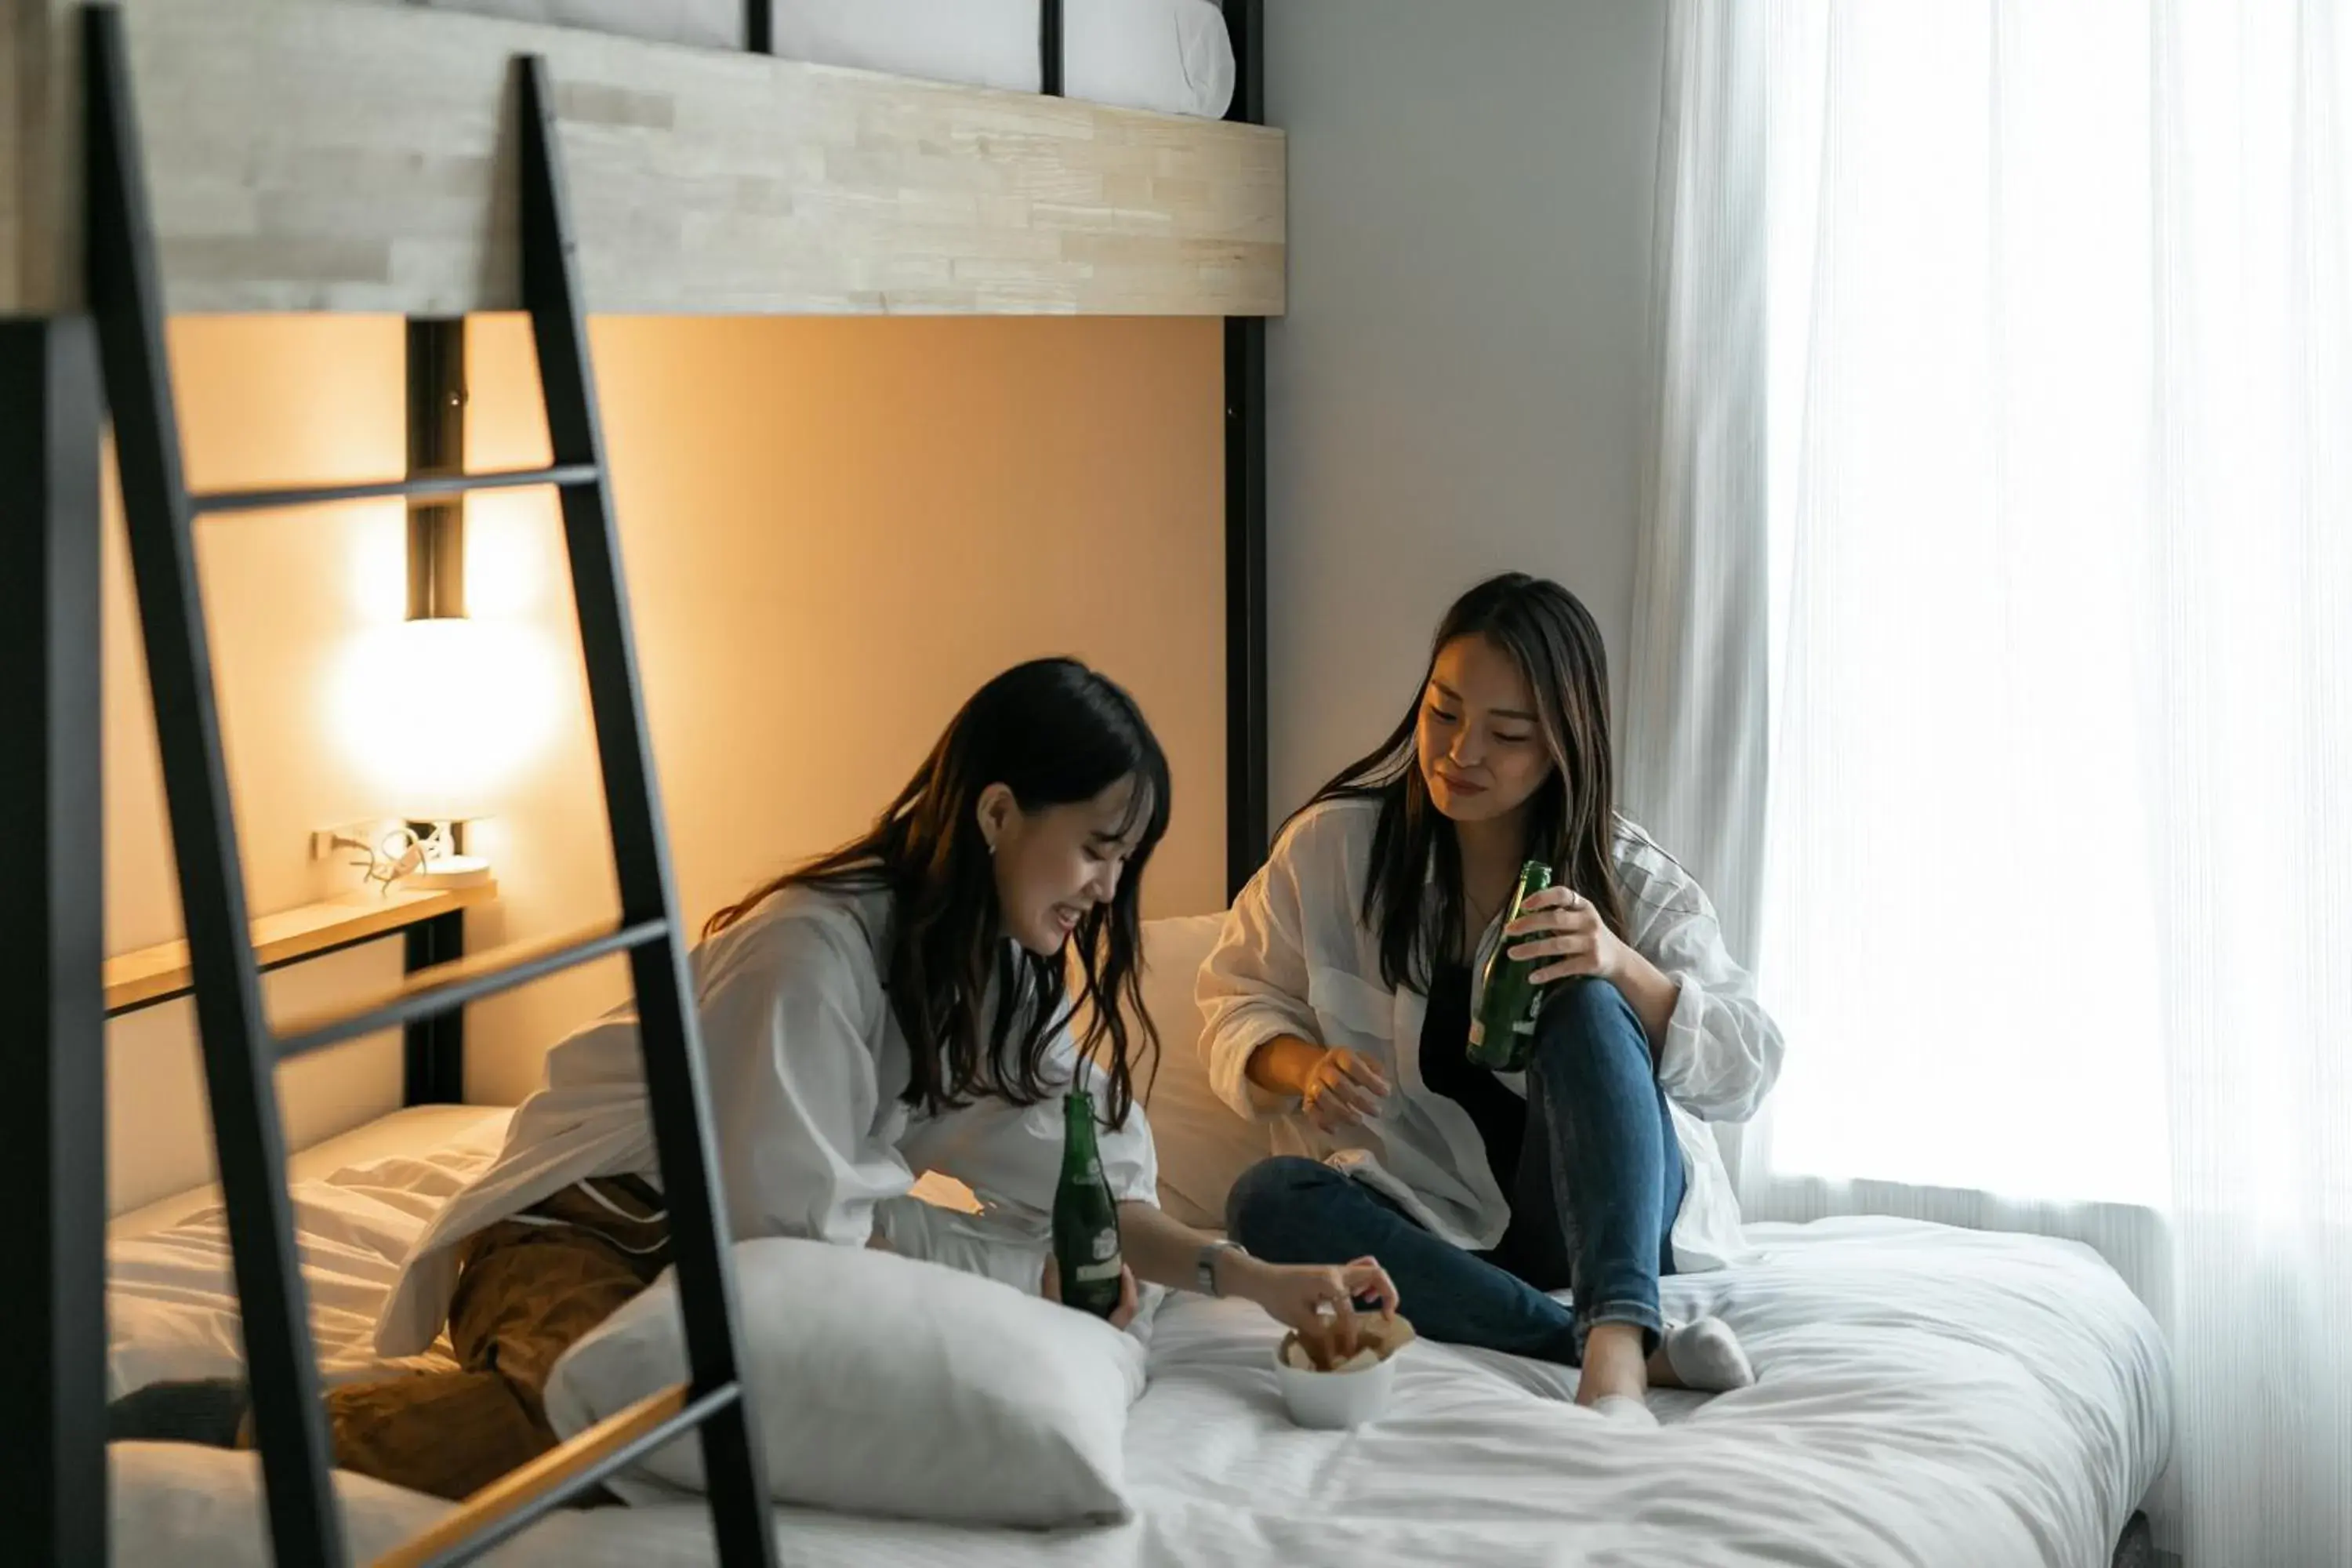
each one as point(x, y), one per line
point(1599, 1183)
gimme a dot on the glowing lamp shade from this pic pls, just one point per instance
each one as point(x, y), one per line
point(443, 716)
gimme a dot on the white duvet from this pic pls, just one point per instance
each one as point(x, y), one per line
point(1927, 1397)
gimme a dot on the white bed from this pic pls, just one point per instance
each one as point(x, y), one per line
point(359, 1200)
point(1928, 1397)
point(1172, 56)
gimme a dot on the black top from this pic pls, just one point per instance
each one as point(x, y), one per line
point(1446, 1068)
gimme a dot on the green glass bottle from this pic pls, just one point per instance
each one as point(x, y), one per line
point(1086, 1215)
point(1503, 1035)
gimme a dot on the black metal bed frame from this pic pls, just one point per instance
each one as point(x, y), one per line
point(61, 378)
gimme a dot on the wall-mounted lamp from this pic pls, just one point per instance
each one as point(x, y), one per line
point(441, 715)
point(440, 639)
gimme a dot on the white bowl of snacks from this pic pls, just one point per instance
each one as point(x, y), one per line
point(1327, 1385)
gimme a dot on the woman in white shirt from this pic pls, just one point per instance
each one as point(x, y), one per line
point(1340, 997)
point(899, 1005)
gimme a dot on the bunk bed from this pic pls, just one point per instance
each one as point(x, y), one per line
point(251, 155)
point(367, 155)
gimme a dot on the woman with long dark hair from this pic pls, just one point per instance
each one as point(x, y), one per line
point(1340, 995)
point(900, 1006)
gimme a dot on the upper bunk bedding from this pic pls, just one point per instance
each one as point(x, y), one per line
point(1174, 57)
point(334, 155)
point(1936, 1398)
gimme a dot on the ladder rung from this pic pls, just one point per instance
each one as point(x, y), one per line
point(415, 488)
point(448, 986)
point(512, 1502)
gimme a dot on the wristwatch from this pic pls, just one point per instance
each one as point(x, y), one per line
point(1205, 1268)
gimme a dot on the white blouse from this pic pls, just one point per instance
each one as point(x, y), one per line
point(805, 1063)
point(1296, 958)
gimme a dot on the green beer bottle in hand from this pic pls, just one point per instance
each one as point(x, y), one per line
point(1503, 1035)
point(1085, 1216)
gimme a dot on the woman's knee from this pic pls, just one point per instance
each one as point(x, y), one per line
point(1587, 1024)
point(1267, 1198)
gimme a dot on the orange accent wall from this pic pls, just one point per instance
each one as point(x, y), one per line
point(833, 530)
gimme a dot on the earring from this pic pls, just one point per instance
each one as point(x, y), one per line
point(991, 849)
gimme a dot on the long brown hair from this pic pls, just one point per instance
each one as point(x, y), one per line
point(1055, 733)
point(1571, 817)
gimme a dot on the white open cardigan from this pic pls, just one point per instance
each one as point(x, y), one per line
point(806, 1064)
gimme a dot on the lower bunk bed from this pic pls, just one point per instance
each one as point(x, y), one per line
point(1927, 1395)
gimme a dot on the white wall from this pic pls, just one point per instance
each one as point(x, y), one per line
point(1459, 387)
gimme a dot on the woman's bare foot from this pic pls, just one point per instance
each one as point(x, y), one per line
point(1613, 1364)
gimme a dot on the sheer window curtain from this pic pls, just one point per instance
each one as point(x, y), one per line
point(2037, 807)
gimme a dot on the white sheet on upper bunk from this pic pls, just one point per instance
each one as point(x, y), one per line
point(1172, 56)
point(1928, 1396)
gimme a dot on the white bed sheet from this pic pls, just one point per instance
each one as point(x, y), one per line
point(1927, 1395)
point(1172, 56)
point(405, 1131)
point(359, 1200)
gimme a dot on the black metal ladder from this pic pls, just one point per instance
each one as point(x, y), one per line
point(241, 1048)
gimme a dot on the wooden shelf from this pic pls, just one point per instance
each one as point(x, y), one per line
point(152, 974)
point(307, 155)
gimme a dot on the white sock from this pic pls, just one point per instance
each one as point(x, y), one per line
point(1625, 1407)
point(1707, 1356)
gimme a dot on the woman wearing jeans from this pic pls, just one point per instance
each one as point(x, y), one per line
point(1340, 993)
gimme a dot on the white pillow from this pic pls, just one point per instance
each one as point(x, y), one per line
point(1172, 56)
point(885, 1385)
point(1203, 1146)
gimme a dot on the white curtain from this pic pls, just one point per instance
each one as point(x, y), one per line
point(1696, 677)
point(2057, 880)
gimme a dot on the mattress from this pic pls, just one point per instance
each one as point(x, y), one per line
point(1172, 56)
point(1927, 1395)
